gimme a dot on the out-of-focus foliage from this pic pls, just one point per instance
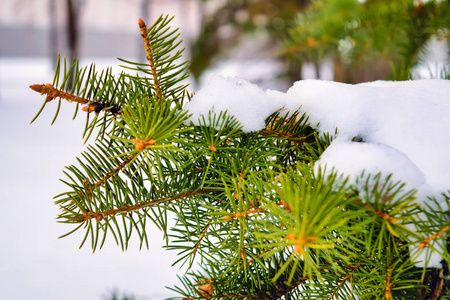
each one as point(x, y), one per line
point(116, 295)
point(364, 38)
point(236, 19)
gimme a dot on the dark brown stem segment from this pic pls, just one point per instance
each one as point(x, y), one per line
point(53, 93)
point(148, 50)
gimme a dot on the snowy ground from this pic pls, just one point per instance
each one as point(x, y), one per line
point(34, 264)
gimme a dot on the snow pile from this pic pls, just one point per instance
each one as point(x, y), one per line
point(411, 117)
point(354, 158)
point(405, 125)
point(242, 99)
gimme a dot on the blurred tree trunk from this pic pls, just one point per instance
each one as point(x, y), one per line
point(73, 9)
point(53, 40)
point(72, 27)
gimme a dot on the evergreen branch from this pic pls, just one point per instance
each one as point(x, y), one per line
point(150, 58)
point(389, 284)
point(267, 224)
point(380, 213)
point(110, 194)
point(434, 236)
point(222, 296)
point(257, 210)
point(116, 170)
point(51, 92)
point(244, 213)
point(293, 128)
point(291, 136)
point(342, 281)
point(166, 74)
point(88, 215)
point(260, 255)
point(201, 238)
point(85, 86)
point(104, 175)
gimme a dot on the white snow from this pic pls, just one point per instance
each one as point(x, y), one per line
point(240, 98)
point(354, 158)
point(410, 116)
point(404, 125)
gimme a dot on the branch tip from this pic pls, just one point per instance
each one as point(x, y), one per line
point(37, 88)
point(141, 24)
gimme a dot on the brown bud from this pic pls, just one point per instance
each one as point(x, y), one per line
point(206, 290)
point(139, 146)
point(141, 24)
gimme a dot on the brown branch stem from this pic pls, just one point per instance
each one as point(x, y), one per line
point(116, 170)
point(350, 273)
point(201, 238)
point(148, 50)
point(128, 207)
point(90, 188)
point(428, 240)
point(53, 93)
point(382, 214)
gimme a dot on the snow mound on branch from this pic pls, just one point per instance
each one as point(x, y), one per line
point(354, 158)
point(405, 125)
point(245, 101)
point(409, 116)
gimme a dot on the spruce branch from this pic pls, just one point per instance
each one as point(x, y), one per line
point(167, 74)
point(293, 128)
point(151, 61)
point(129, 208)
point(429, 239)
point(52, 93)
point(115, 171)
point(264, 223)
point(343, 281)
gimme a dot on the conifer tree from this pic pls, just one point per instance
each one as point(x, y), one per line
point(364, 38)
point(253, 219)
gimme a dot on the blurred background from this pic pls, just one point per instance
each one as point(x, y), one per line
point(270, 43)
